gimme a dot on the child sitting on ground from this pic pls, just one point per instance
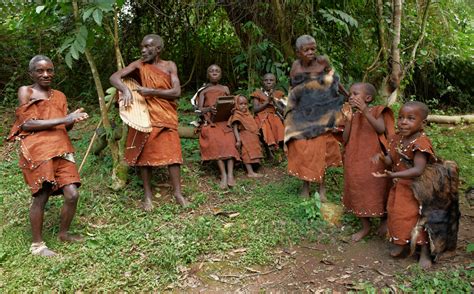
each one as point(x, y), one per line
point(410, 151)
point(266, 116)
point(216, 140)
point(246, 135)
point(365, 132)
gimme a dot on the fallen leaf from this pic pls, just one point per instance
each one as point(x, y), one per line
point(228, 225)
point(215, 277)
point(326, 262)
point(331, 279)
point(382, 273)
point(235, 214)
point(239, 250)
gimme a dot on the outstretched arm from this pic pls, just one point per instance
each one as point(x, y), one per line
point(34, 125)
point(420, 160)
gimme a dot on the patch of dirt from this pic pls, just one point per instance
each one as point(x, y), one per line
point(315, 267)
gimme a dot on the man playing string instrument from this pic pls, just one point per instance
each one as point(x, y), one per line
point(161, 88)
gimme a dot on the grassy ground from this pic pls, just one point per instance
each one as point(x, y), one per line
point(127, 249)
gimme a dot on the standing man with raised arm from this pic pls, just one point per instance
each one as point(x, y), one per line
point(161, 88)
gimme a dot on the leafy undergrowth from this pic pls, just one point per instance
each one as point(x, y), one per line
point(127, 249)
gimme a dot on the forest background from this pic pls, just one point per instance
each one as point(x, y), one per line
point(412, 49)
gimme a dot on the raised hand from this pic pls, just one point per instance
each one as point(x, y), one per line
point(76, 116)
point(358, 104)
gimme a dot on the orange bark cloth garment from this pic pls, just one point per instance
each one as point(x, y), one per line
point(268, 121)
point(162, 146)
point(216, 140)
point(402, 207)
point(309, 158)
point(248, 130)
point(364, 194)
point(41, 151)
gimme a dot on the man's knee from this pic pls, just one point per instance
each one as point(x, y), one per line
point(71, 194)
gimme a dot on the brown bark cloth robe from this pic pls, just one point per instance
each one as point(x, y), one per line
point(268, 121)
point(216, 140)
point(251, 150)
point(162, 146)
point(403, 209)
point(45, 156)
point(364, 194)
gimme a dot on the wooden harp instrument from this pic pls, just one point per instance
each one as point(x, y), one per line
point(136, 115)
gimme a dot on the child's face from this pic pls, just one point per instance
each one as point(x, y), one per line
point(269, 82)
point(357, 92)
point(410, 120)
point(43, 73)
point(214, 73)
point(242, 104)
point(307, 52)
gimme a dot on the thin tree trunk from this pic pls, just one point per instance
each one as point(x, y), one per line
point(283, 29)
point(381, 30)
point(396, 68)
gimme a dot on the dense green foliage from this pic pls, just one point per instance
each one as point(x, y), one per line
point(247, 38)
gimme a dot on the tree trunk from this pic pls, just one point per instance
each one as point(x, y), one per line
point(396, 68)
point(381, 30)
point(451, 119)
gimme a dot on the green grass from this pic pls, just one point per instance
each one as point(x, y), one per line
point(129, 250)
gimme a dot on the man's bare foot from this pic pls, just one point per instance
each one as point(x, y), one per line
point(323, 197)
point(254, 175)
point(360, 234)
point(66, 237)
point(230, 181)
point(181, 200)
point(223, 183)
point(305, 190)
point(147, 205)
point(382, 230)
point(397, 250)
point(425, 258)
point(41, 249)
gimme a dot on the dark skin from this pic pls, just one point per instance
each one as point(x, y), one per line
point(359, 100)
point(411, 121)
point(151, 50)
point(243, 106)
point(269, 82)
point(42, 76)
point(226, 166)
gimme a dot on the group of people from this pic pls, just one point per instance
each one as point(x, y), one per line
point(379, 165)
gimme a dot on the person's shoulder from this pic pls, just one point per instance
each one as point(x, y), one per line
point(278, 93)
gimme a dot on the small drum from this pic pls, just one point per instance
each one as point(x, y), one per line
point(136, 115)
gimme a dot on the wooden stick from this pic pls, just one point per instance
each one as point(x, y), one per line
point(451, 119)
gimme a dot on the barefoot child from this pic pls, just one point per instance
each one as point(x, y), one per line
point(364, 132)
point(46, 157)
point(269, 123)
point(410, 151)
point(216, 139)
point(246, 135)
point(312, 114)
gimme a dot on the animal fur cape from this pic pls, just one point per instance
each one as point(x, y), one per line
point(313, 107)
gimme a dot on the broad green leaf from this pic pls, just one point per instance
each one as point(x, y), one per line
point(69, 60)
point(79, 47)
point(87, 13)
point(66, 44)
point(74, 52)
point(111, 90)
point(40, 8)
point(97, 16)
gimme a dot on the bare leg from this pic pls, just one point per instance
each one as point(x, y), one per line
point(322, 190)
point(397, 250)
point(145, 173)
point(250, 172)
point(305, 190)
point(221, 165)
point(230, 172)
point(37, 214)
point(71, 196)
point(425, 258)
point(268, 151)
point(175, 177)
point(382, 230)
point(364, 231)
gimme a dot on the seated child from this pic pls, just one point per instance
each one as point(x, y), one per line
point(312, 114)
point(216, 139)
point(266, 116)
point(246, 135)
point(365, 130)
point(410, 150)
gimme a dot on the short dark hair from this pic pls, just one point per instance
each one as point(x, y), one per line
point(421, 106)
point(36, 59)
point(269, 74)
point(303, 40)
point(369, 89)
point(157, 39)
